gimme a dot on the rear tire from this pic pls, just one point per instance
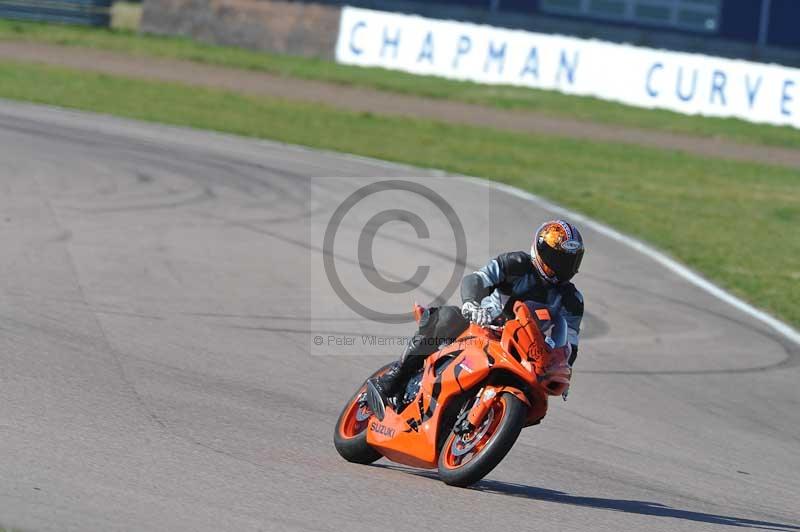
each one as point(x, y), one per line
point(350, 435)
point(495, 446)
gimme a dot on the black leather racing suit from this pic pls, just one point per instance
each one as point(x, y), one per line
point(509, 278)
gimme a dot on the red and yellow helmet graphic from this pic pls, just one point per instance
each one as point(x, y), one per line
point(557, 251)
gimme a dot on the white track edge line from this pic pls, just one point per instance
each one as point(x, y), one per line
point(782, 328)
point(671, 264)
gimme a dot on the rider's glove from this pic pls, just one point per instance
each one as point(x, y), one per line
point(475, 313)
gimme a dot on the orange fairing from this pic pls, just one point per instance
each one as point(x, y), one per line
point(410, 436)
point(550, 365)
point(520, 335)
point(462, 374)
point(557, 372)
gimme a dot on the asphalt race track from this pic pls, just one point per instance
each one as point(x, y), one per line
point(162, 293)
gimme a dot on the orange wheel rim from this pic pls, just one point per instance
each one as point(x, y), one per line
point(355, 420)
point(462, 449)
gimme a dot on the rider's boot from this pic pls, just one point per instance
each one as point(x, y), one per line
point(380, 389)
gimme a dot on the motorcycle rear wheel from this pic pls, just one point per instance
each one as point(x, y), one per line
point(467, 458)
point(350, 433)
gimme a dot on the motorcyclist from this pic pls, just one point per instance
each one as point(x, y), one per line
point(489, 294)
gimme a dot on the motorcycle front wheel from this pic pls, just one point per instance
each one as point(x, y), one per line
point(467, 458)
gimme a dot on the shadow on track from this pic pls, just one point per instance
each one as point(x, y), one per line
point(619, 505)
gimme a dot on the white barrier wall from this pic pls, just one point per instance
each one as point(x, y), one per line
point(644, 77)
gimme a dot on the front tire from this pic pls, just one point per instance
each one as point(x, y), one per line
point(350, 433)
point(465, 459)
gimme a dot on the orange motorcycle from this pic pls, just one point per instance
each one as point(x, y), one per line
point(463, 411)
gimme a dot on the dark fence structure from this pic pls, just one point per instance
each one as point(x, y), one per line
point(86, 12)
point(757, 30)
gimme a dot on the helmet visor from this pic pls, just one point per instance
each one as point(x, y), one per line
point(564, 263)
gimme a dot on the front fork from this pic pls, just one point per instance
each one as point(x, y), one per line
point(481, 405)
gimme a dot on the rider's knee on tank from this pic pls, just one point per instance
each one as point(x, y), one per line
point(449, 324)
point(441, 325)
point(437, 326)
point(451, 319)
point(445, 318)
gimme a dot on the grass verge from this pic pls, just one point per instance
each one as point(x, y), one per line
point(506, 97)
point(719, 217)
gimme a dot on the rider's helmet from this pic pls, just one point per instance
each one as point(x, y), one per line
point(557, 251)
